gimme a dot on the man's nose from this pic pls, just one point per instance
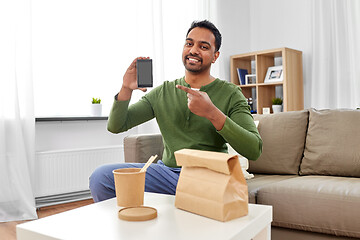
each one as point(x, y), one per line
point(194, 50)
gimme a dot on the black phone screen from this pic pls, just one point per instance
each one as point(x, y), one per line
point(144, 72)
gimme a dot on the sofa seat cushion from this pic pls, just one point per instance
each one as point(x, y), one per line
point(323, 204)
point(283, 136)
point(261, 180)
point(332, 143)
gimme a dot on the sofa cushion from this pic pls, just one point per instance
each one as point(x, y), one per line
point(283, 136)
point(139, 148)
point(323, 204)
point(332, 143)
point(261, 180)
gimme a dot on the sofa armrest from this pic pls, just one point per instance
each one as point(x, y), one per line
point(139, 148)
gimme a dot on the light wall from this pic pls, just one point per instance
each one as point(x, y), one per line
point(245, 25)
point(233, 20)
point(282, 23)
point(57, 136)
point(254, 25)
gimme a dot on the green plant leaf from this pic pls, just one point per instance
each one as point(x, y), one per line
point(277, 101)
point(96, 100)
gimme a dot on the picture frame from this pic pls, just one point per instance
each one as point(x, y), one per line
point(250, 79)
point(274, 74)
point(266, 110)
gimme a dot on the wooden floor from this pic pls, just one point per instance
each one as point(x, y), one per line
point(8, 229)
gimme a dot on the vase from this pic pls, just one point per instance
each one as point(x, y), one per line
point(277, 108)
point(96, 109)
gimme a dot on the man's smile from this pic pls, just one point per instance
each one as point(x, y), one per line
point(193, 59)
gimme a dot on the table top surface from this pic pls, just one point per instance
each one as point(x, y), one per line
point(100, 221)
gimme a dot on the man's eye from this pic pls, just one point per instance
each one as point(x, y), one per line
point(188, 44)
point(205, 47)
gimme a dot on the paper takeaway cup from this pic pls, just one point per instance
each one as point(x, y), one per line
point(129, 187)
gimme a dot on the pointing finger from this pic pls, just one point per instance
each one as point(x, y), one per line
point(187, 90)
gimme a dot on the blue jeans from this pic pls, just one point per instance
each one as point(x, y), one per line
point(158, 179)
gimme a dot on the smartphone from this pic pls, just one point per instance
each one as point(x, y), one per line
point(144, 73)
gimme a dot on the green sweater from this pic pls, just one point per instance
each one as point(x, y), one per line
point(181, 128)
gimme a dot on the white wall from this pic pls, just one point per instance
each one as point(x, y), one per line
point(86, 134)
point(254, 25)
point(246, 25)
point(56, 136)
point(232, 18)
point(280, 23)
point(283, 23)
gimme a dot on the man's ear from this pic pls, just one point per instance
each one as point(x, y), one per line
point(216, 55)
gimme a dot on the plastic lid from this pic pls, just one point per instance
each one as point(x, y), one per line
point(140, 213)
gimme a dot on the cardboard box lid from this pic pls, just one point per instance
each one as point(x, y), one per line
point(216, 161)
point(139, 213)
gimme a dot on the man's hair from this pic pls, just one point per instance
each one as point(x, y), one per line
point(210, 26)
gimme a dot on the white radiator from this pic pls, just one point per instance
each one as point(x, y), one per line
point(60, 174)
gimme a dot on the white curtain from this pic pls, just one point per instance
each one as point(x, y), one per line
point(335, 71)
point(17, 129)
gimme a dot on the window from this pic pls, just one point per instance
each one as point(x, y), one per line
point(81, 49)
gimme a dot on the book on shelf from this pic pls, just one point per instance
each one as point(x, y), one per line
point(241, 74)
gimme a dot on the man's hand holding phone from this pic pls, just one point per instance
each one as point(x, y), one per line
point(130, 81)
point(130, 76)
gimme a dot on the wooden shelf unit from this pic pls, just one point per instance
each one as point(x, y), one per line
point(292, 84)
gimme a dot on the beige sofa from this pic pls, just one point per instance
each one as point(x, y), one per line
point(309, 172)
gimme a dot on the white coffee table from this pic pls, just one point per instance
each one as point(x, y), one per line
point(100, 221)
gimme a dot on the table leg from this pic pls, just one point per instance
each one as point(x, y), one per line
point(265, 234)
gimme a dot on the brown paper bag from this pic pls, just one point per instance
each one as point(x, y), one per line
point(211, 184)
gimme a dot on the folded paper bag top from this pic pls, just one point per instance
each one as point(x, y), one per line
point(216, 161)
point(211, 184)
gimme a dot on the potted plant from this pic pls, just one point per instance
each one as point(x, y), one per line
point(96, 107)
point(277, 105)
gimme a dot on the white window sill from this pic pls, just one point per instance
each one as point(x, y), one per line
point(70, 118)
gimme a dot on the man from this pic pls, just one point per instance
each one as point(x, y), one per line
point(197, 111)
